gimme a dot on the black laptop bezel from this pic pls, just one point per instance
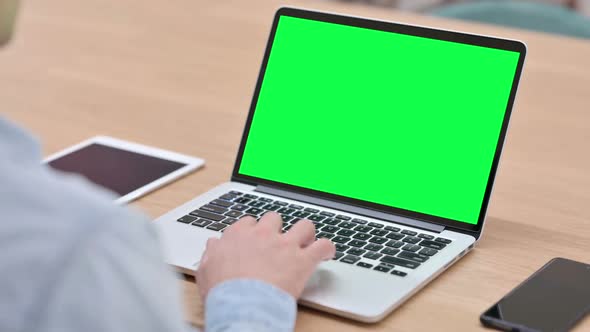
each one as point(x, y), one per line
point(492, 42)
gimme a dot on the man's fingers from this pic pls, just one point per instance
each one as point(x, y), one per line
point(320, 250)
point(210, 243)
point(271, 221)
point(302, 233)
point(243, 222)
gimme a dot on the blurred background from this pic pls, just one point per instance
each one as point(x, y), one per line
point(582, 6)
point(565, 17)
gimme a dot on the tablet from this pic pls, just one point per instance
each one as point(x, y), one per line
point(128, 169)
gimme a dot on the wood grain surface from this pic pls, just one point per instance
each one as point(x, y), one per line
point(179, 75)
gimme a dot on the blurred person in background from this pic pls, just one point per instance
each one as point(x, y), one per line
point(71, 260)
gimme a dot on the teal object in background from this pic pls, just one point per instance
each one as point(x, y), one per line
point(521, 14)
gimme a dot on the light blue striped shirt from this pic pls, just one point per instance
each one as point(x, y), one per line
point(70, 260)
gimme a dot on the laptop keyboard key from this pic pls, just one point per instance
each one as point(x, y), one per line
point(399, 273)
point(338, 255)
point(324, 235)
point(363, 229)
point(443, 240)
point(395, 236)
point(242, 200)
point(301, 214)
point(271, 207)
point(376, 225)
point(251, 196)
point(340, 239)
point(295, 206)
point(362, 236)
point(222, 203)
point(378, 240)
point(227, 197)
point(341, 247)
point(343, 217)
point(426, 236)
point(389, 251)
point(311, 210)
point(255, 211)
point(395, 244)
point(187, 219)
point(201, 222)
point(229, 221)
point(350, 259)
point(347, 224)
point(207, 215)
point(413, 256)
point(234, 214)
point(316, 217)
point(217, 227)
point(332, 221)
point(240, 207)
point(382, 268)
point(365, 265)
point(213, 208)
point(331, 229)
point(409, 232)
point(357, 243)
point(281, 203)
point(432, 244)
point(411, 239)
point(379, 232)
point(401, 262)
point(373, 247)
point(356, 251)
point(327, 214)
point(392, 228)
point(359, 221)
point(257, 204)
point(372, 255)
point(411, 247)
point(235, 192)
point(345, 232)
point(428, 252)
point(286, 210)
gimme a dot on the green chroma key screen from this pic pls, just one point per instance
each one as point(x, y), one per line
point(398, 120)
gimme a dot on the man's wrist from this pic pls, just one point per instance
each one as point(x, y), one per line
point(249, 303)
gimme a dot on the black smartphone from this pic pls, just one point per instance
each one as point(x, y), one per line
point(553, 299)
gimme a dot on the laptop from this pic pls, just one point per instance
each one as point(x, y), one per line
point(386, 136)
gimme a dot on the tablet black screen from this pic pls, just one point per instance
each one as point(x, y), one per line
point(121, 171)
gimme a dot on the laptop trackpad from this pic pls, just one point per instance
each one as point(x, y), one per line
point(181, 248)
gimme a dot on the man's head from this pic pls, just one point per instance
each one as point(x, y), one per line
point(7, 15)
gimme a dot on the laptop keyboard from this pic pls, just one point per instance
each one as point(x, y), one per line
point(368, 245)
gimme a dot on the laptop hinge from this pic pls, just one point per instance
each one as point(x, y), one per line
point(351, 209)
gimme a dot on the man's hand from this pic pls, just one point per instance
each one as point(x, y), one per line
point(258, 250)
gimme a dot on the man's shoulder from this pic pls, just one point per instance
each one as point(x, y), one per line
point(53, 223)
point(35, 198)
point(47, 210)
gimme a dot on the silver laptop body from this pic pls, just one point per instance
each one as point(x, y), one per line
point(401, 251)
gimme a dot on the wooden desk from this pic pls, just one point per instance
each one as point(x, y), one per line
point(180, 76)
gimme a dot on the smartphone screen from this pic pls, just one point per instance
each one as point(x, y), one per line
point(121, 171)
point(552, 299)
